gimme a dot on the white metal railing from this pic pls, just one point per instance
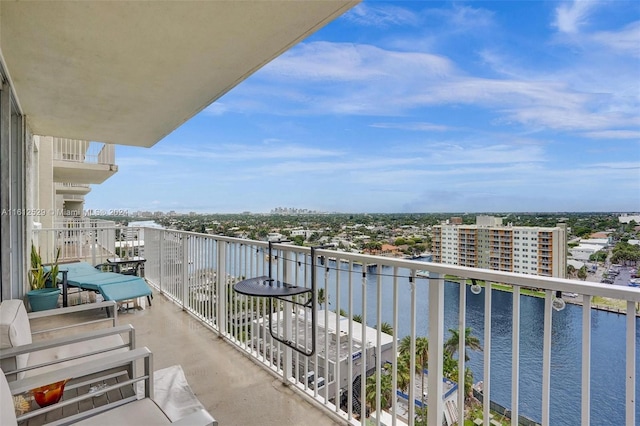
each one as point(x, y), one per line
point(418, 300)
point(72, 197)
point(83, 222)
point(72, 185)
point(83, 239)
point(83, 151)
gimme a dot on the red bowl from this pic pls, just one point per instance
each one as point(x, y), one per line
point(49, 394)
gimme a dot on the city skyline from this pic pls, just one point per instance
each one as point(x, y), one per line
point(416, 107)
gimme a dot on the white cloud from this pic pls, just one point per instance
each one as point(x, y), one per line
point(626, 40)
point(491, 154)
point(271, 149)
point(403, 165)
point(136, 161)
point(425, 127)
point(356, 79)
point(621, 165)
point(570, 17)
point(614, 134)
point(354, 63)
point(465, 18)
point(216, 108)
point(567, 119)
point(368, 14)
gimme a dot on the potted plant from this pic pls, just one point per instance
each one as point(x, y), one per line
point(41, 296)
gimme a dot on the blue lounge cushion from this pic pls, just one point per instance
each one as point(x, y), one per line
point(132, 290)
point(111, 285)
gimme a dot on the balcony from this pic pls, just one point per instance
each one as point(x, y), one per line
point(552, 367)
point(83, 161)
point(72, 188)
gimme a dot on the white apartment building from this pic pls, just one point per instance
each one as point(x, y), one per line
point(306, 233)
point(490, 245)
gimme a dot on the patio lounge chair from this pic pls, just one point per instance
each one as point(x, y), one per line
point(81, 408)
point(20, 356)
point(111, 285)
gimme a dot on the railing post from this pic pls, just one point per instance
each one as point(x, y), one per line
point(462, 329)
point(161, 235)
point(185, 270)
point(287, 353)
point(486, 385)
point(221, 291)
point(94, 246)
point(546, 357)
point(630, 395)
point(436, 341)
point(412, 353)
point(515, 357)
point(586, 361)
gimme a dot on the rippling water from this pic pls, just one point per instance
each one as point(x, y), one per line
point(607, 355)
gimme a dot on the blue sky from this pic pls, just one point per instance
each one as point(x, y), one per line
point(416, 107)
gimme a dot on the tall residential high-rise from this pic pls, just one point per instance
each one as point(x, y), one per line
point(491, 245)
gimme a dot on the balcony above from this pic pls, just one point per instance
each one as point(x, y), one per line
point(83, 162)
point(83, 172)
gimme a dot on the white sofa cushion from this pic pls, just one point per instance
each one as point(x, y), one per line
point(61, 352)
point(7, 412)
point(15, 330)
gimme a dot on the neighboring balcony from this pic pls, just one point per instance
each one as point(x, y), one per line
point(75, 189)
point(83, 161)
point(577, 365)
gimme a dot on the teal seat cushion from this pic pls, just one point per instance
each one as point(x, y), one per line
point(124, 291)
point(111, 285)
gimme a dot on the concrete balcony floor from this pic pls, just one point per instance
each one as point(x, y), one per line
point(234, 389)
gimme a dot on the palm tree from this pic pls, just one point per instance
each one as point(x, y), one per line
point(471, 342)
point(385, 327)
point(582, 273)
point(357, 318)
point(422, 355)
point(386, 393)
point(321, 297)
point(403, 374)
point(451, 369)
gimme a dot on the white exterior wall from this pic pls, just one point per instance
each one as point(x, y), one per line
point(304, 232)
point(602, 242)
point(628, 218)
point(484, 220)
point(450, 244)
point(584, 251)
point(525, 250)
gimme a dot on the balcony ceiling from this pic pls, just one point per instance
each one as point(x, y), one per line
point(131, 72)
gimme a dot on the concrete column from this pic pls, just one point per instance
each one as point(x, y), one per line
point(46, 188)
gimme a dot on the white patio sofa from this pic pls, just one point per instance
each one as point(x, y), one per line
point(130, 410)
point(20, 356)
